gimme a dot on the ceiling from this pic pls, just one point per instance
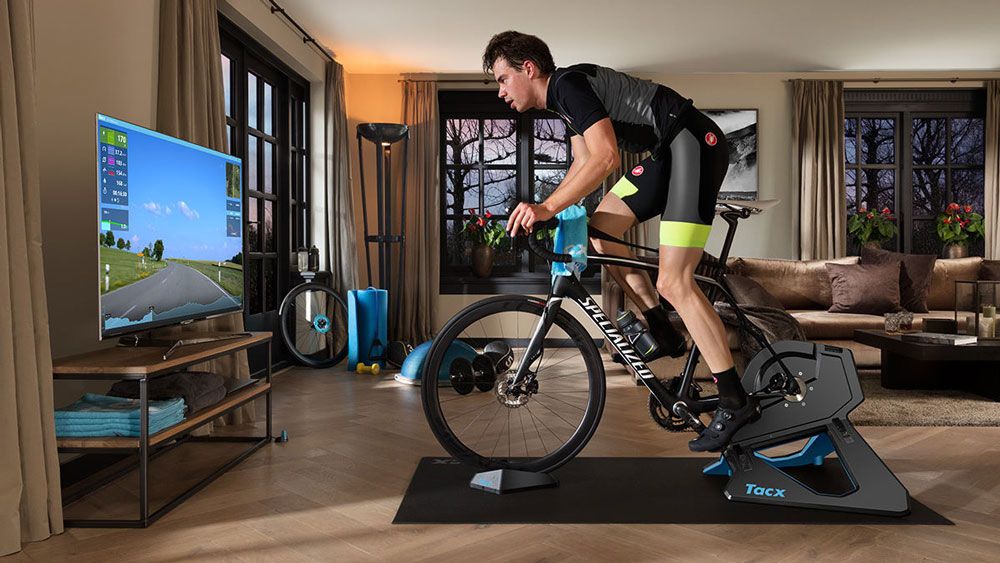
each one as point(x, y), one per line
point(662, 36)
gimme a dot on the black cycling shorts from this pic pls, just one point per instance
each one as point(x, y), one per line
point(681, 184)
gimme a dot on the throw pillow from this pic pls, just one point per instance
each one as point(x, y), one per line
point(914, 276)
point(864, 288)
point(747, 291)
point(990, 270)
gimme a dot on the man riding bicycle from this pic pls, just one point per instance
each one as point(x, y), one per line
point(605, 109)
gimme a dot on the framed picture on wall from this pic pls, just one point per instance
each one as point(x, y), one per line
point(740, 127)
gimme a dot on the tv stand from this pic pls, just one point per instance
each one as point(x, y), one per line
point(146, 341)
point(143, 365)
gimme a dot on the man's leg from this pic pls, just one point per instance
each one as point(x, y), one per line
point(676, 284)
point(614, 218)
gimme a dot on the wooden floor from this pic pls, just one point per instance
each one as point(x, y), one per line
point(331, 492)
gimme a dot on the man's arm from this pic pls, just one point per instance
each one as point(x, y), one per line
point(580, 156)
point(599, 148)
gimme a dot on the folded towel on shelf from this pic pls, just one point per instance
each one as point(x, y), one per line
point(77, 429)
point(94, 407)
point(195, 387)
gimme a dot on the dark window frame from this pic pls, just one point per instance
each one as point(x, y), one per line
point(291, 217)
point(533, 275)
point(905, 105)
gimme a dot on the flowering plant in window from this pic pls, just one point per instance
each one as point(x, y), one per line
point(484, 230)
point(958, 224)
point(872, 227)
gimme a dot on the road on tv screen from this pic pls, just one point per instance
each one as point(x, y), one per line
point(172, 287)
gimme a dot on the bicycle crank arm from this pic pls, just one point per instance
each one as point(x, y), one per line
point(681, 410)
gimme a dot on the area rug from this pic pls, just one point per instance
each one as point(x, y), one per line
point(911, 407)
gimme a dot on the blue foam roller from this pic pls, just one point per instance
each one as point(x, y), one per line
point(366, 326)
point(414, 362)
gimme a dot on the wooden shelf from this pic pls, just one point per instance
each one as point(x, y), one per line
point(200, 417)
point(124, 362)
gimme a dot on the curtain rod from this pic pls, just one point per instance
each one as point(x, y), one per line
point(876, 80)
point(306, 38)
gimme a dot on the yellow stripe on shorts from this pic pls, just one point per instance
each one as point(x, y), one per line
point(624, 188)
point(690, 235)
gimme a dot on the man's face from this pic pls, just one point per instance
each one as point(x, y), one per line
point(514, 84)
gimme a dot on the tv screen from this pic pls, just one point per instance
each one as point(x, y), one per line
point(170, 229)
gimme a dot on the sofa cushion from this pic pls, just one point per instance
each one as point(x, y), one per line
point(946, 271)
point(797, 284)
point(914, 275)
point(864, 288)
point(990, 270)
point(746, 291)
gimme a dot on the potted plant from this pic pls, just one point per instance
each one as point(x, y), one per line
point(956, 227)
point(485, 233)
point(870, 228)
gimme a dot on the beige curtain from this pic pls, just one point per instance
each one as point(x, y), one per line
point(190, 105)
point(341, 244)
point(418, 306)
point(612, 295)
point(30, 501)
point(818, 167)
point(991, 213)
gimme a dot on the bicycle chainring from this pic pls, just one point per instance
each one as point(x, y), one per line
point(662, 416)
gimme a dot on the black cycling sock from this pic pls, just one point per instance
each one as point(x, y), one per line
point(731, 392)
point(660, 327)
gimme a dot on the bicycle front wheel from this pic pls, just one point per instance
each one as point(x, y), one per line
point(314, 325)
point(475, 413)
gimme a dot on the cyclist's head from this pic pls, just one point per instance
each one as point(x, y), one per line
point(515, 59)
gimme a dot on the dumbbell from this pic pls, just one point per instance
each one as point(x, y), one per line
point(373, 369)
point(481, 372)
point(496, 358)
point(461, 376)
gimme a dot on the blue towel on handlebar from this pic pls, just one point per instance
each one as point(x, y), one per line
point(571, 238)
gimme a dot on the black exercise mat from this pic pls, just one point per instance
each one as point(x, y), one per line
point(611, 490)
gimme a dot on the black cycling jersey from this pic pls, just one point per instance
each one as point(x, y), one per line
point(645, 115)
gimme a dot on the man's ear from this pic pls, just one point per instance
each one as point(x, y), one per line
point(529, 68)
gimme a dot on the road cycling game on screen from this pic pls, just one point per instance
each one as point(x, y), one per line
point(170, 234)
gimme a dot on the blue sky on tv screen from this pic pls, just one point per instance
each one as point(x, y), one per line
point(177, 193)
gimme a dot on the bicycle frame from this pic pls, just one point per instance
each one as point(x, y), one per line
point(683, 402)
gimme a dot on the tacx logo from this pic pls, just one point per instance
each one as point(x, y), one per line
point(754, 489)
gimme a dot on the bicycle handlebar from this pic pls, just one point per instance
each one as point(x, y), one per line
point(536, 246)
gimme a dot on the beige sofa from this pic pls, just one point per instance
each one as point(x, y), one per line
point(803, 288)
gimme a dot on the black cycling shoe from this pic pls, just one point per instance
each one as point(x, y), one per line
point(724, 425)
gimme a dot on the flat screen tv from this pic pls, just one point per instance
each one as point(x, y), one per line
point(170, 229)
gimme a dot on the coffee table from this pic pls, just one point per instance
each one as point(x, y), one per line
point(916, 365)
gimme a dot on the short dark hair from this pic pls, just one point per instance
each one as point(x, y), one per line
point(518, 47)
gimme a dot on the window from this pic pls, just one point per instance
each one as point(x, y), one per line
point(914, 151)
point(266, 120)
point(492, 158)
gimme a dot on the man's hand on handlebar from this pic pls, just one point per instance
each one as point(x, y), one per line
point(525, 215)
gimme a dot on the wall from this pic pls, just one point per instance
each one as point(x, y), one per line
point(85, 67)
point(773, 234)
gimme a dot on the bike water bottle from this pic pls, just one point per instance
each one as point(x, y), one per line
point(637, 334)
